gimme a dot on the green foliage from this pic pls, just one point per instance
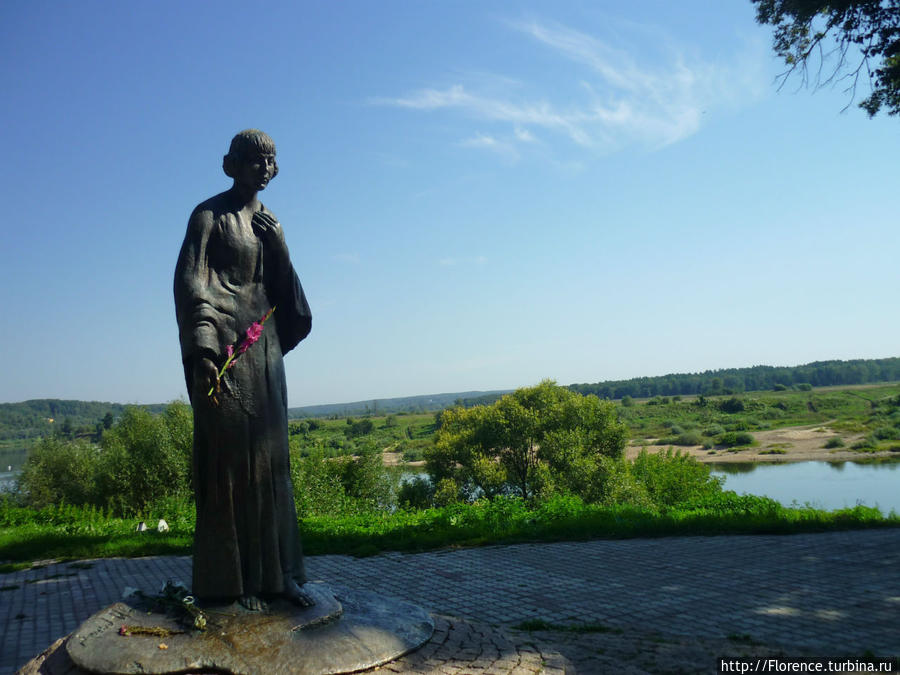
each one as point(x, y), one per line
point(44, 417)
point(416, 493)
point(757, 378)
point(141, 458)
point(613, 483)
point(692, 437)
point(60, 471)
point(145, 457)
point(731, 439)
point(731, 405)
point(318, 489)
point(446, 492)
point(844, 40)
point(886, 433)
point(531, 442)
point(343, 485)
point(360, 428)
point(835, 442)
point(414, 451)
point(671, 478)
point(67, 531)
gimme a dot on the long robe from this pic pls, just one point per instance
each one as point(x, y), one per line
point(247, 537)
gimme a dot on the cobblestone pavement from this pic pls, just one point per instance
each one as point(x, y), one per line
point(824, 594)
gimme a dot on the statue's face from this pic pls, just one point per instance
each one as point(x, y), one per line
point(256, 171)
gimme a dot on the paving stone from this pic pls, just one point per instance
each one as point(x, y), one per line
point(841, 588)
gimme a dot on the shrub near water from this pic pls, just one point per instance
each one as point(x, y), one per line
point(672, 478)
point(141, 459)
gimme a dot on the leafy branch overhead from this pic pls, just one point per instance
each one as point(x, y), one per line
point(845, 42)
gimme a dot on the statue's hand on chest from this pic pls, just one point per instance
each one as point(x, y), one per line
point(271, 235)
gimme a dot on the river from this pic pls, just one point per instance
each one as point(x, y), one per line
point(825, 485)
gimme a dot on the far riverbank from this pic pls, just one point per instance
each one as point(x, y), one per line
point(788, 444)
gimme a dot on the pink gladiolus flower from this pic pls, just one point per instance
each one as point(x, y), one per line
point(253, 334)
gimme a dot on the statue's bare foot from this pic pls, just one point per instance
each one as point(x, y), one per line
point(295, 594)
point(252, 603)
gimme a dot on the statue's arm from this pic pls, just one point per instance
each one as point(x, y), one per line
point(293, 316)
point(197, 317)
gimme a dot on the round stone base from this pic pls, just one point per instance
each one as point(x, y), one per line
point(456, 647)
point(346, 631)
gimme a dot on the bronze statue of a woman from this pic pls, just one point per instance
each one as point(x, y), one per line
point(233, 268)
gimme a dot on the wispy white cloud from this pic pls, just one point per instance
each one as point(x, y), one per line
point(524, 135)
point(624, 97)
point(487, 142)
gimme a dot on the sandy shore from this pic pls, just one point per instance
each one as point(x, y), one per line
point(789, 444)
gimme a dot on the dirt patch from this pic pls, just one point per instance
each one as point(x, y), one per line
point(396, 459)
point(789, 444)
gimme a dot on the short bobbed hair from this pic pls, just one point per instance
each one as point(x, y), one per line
point(247, 144)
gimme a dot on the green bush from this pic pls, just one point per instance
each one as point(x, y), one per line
point(415, 493)
point(887, 433)
point(731, 405)
point(446, 492)
point(835, 442)
point(692, 437)
point(57, 471)
point(141, 459)
point(714, 430)
point(731, 439)
point(671, 478)
point(341, 486)
point(614, 483)
point(318, 490)
point(146, 457)
point(363, 427)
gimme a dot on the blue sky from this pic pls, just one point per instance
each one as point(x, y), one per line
point(476, 195)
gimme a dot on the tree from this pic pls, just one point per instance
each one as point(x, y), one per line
point(844, 41)
point(526, 442)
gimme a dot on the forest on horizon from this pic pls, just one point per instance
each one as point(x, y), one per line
point(32, 419)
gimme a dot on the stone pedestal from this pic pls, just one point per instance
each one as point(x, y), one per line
point(345, 631)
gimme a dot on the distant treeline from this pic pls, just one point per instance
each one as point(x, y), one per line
point(31, 419)
point(733, 380)
point(48, 416)
point(387, 406)
point(756, 378)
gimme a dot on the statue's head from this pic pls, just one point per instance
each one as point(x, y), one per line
point(245, 146)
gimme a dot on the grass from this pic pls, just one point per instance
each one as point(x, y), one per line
point(69, 533)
